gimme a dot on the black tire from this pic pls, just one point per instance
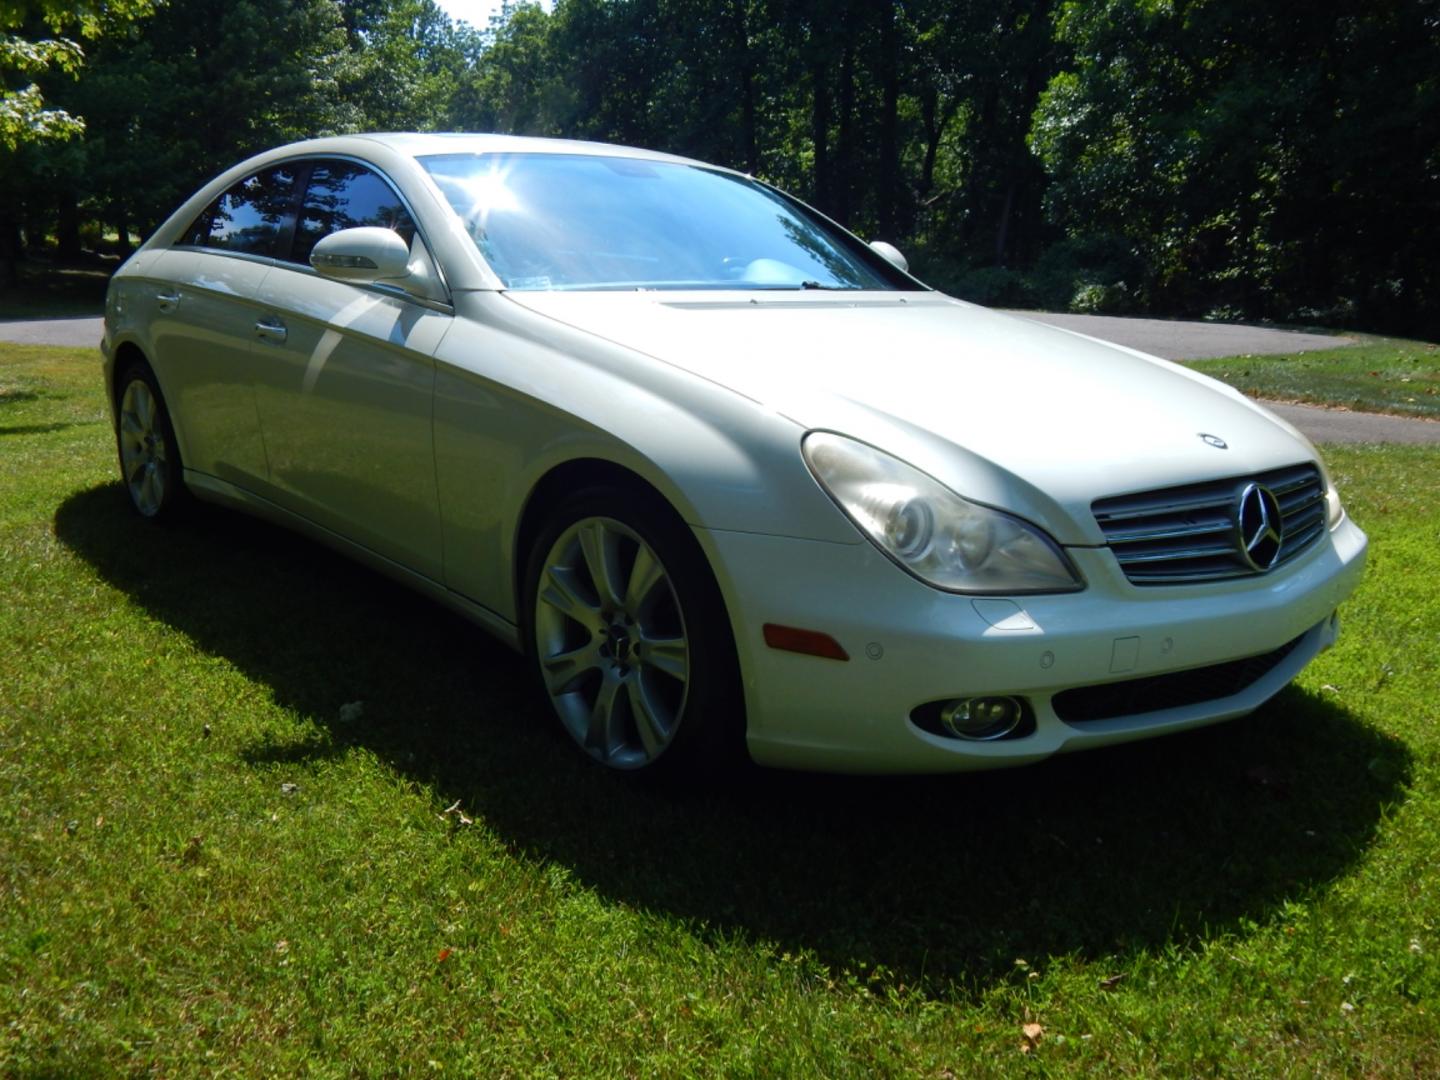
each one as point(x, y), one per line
point(149, 456)
point(641, 673)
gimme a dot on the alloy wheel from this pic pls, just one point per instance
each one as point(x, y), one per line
point(144, 457)
point(611, 642)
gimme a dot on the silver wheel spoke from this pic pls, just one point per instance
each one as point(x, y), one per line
point(598, 544)
point(144, 406)
point(601, 734)
point(563, 669)
point(558, 590)
point(645, 575)
point(666, 654)
point(149, 496)
point(648, 726)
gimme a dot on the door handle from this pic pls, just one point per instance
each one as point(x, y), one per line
point(273, 330)
point(167, 301)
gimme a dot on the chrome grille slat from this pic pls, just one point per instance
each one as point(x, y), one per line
point(1170, 532)
point(1188, 533)
point(1171, 554)
point(1147, 510)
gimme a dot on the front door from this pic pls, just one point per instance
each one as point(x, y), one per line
point(344, 382)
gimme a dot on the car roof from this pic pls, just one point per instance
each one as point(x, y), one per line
point(423, 144)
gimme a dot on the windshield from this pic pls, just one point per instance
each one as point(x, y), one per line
point(575, 221)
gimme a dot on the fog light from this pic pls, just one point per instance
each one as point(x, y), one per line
point(981, 718)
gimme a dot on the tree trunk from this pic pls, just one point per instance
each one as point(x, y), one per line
point(9, 246)
point(845, 152)
point(122, 230)
point(1002, 228)
point(888, 212)
point(747, 85)
point(820, 132)
point(67, 227)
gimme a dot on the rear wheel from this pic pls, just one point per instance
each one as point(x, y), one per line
point(630, 638)
point(145, 439)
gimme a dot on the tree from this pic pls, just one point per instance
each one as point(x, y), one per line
point(200, 85)
point(406, 63)
point(1264, 160)
point(32, 45)
point(24, 115)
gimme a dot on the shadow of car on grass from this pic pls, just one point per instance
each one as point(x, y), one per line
point(941, 883)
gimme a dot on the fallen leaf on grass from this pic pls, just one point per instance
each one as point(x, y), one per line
point(1262, 776)
point(1110, 982)
point(443, 955)
point(288, 788)
point(1031, 1034)
point(191, 853)
point(456, 815)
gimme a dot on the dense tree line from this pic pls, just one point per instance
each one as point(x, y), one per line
point(1231, 157)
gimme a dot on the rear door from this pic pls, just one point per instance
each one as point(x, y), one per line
point(206, 297)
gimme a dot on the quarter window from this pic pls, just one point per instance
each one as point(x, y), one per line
point(251, 216)
point(343, 195)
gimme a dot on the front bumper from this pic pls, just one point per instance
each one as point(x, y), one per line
point(910, 644)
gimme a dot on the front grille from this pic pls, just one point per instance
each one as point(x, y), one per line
point(1188, 533)
point(1156, 692)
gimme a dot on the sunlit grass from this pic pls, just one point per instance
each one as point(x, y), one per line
point(209, 866)
point(1378, 375)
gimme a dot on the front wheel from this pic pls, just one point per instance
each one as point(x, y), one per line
point(630, 638)
point(145, 439)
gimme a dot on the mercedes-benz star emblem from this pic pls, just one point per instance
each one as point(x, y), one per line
point(1260, 527)
point(1214, 440)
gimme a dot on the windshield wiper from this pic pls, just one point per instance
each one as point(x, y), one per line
point(817, 285)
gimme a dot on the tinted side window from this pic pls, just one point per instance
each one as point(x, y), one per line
point(251, 216)
point(343, 195)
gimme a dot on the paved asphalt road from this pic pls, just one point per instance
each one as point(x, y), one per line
point(1172, 340)
point(1176, 340)
point(83, 331)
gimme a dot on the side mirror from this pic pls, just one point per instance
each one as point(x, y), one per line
point(362, 255)
point(890, 253)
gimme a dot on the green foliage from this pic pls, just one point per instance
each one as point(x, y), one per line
point(25, 117)
point(1186, 157)
point(1258, 158)
point(405, 64)
point(208, 866)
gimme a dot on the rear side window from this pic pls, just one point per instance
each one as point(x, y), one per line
point(252, 217)
point(344, 195)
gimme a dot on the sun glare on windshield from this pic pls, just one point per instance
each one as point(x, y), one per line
point(591, 221)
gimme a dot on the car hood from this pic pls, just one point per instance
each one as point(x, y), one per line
point(1012, 413)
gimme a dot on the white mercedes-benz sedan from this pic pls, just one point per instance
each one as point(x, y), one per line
point(728, 476)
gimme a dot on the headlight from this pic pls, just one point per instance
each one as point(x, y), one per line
point(942, 539)
point(1334, 512)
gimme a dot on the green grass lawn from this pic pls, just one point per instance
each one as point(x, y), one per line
point(209, 867)
point(1387, 375)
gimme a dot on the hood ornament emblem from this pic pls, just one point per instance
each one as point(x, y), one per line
point(1259, 526)
point(1213, 440)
